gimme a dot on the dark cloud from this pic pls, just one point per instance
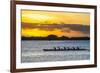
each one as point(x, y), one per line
point(79, 27)
point(64, 27)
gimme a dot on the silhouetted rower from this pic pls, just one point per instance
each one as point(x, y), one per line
point(54, 48)
point(64, 48)
point(59, 48)
point(78, 48)
point(68, 48)
point(73, 48)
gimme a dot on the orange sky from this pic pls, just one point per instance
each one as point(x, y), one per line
point(44, 23)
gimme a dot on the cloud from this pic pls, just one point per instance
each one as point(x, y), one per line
point(63, 27)
point(78, 27)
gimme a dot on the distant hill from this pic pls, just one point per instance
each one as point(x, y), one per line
point(54, 37)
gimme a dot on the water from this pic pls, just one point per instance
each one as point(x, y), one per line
point(32, 51)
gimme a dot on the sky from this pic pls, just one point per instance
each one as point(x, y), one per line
point(44, 23)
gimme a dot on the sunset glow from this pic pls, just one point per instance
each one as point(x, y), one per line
point(44, 23)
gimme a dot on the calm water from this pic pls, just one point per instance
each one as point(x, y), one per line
point(32, 51)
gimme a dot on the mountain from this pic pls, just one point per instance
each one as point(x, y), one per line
point(54, 37)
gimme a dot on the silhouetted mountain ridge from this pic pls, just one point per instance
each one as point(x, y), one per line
point(54, 37)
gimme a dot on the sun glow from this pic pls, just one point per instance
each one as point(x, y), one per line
point(49, 18)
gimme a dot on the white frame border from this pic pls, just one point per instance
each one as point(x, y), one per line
point(20, 65)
